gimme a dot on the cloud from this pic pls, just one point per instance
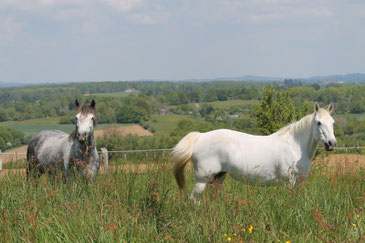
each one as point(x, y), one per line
point(123, 5)
point(9, 29)
point(149, 18)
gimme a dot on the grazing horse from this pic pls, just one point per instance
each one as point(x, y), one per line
point(286, 154)
point(50, 150)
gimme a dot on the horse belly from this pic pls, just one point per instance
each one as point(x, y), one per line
point(252, 162)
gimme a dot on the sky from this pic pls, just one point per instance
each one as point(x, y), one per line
point(115, 40)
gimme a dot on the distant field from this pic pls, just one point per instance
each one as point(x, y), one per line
point(360, 117)
point(32, 126)
point(115, 94)
point(227, 103)
point(39, 121)
point(166, 123)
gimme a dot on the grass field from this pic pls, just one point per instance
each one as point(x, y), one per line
point(360, 117)
point(227, 103)
point(147, 207)
point(32, 126)
point(164, 124)
point(115, 94)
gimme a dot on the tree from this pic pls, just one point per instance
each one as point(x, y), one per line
point(316, 86)
point(131, 114)
point(305, 110)
point(274, 111)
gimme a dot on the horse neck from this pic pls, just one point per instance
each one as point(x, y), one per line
point(85, 149)
point(303, 136)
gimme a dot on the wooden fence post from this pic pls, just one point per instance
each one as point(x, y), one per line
point(357, 146)
point(104, 152)
point(1, 164)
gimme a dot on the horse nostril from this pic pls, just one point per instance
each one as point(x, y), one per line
point(329, 142)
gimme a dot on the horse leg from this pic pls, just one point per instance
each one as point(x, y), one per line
point(197, 191)
point(204, 170)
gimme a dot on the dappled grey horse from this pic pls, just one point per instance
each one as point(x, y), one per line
point(53, 150)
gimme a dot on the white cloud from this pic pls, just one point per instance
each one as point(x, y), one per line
point(9, 29)
point(123, 5)
point(149, 18)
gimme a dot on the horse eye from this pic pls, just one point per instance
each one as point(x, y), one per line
point(319, 123)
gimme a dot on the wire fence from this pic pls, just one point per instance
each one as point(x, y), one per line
point(141, 155)
point(149, 152)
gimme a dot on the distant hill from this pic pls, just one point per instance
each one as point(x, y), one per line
point(346, 78)
point(351, 78)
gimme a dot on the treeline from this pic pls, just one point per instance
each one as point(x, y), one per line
point(58, 100)
point(11, 138)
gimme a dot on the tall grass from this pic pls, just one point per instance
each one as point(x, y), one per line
point(146, 206)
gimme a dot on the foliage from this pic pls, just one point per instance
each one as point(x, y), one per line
point(10, 138)
point(274, 111)
point(131, 114)
point(31, 102)
point(67, 120)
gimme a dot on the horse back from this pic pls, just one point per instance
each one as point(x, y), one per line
point(46, 147)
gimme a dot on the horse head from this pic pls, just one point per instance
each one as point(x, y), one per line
point(85, 120)
point(323, 126)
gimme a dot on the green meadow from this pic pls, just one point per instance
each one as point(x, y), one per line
point(32, 126)
point(147, 207)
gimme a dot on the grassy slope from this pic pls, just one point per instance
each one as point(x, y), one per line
point(30, 127)
point(147, 207)
point(360, 117)
point(166, 123)
point(227, 103)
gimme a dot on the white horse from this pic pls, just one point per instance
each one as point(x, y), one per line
point(286, 154)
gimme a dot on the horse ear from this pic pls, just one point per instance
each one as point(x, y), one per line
point(92, 104)
point(331, 107)
point(77, 104)
point(316, 107)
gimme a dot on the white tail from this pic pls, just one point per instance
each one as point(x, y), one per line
point(181, 154)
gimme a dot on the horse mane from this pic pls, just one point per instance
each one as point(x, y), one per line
point(298, 126)
point(72, 136)
point(86, 109)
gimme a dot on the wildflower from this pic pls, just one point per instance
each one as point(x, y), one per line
point(278, 240)
point(244, 229)
point(357, 216)
point(324, 173)
point(250, 229)
point(288, 241)
point(235, 234)
point(354, 225)
point(225, 235)
point(229, 238)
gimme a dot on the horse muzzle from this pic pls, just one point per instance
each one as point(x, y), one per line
point(330, 145)
point(82, 136)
